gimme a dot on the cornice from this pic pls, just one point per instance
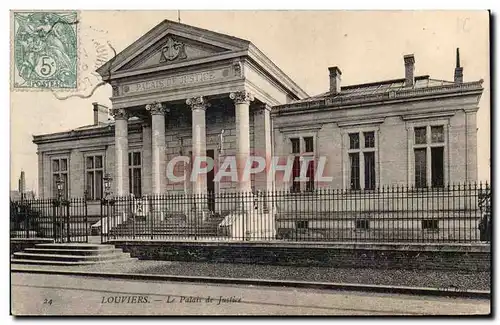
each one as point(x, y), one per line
point(294, 128)
point(437, 92)
point(471, 110)
point(103, 131)
point(57, 152)
point(178, 65)
point(351, 123)
point(433, 115)
point(101, 147)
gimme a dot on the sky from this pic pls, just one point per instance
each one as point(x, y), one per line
point(367, 46)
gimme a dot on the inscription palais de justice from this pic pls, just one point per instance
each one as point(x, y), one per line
point(176, 81)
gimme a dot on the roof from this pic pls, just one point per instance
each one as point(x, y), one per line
point(91, 129)
point(380, 87)
point(381, 91)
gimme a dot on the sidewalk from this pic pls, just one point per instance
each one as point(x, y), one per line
point(417, 278)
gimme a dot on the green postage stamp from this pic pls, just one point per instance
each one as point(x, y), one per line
point(45, 50)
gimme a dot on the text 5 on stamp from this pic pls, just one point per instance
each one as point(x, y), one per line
point(45, 50)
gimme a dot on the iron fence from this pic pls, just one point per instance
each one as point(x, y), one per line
point(62, 220)
point(455, 213)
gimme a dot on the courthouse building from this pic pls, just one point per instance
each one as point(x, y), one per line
point(185, 91)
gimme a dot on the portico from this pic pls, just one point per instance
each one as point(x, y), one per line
point(178, 78)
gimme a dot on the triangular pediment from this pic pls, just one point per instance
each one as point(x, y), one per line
point(172, 49)
point(169, 43)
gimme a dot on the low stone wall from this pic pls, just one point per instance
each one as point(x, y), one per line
point(467, 257)
point(19, 244)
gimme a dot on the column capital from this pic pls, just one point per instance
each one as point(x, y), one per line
point(119, 113)
point(156, 108)
point(241, 97)
point(198, 103)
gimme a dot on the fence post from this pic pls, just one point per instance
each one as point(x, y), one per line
point(54, 211)
point(152, 218)
point(86, 223)
point(67, 222)
point(109, 213)
point(102, 221)
point(26, 217)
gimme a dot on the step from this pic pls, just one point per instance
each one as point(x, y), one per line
point(72, 251)
point(73, 258)
point(69, 263)
point(80, 246)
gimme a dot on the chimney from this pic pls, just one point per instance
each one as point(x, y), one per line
point(100, 113)
point(459, 71)
point(335, 78)
point(409, 70)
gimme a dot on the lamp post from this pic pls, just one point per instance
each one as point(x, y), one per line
point(107, 179)
point(60, 188)
point(60, 203)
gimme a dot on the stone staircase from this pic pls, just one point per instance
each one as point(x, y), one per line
point(173, 225)
point(70, 254)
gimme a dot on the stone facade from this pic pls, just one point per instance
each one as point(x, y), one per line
point(224, 97)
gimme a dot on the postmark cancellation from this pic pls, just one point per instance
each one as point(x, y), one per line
point(44, 49)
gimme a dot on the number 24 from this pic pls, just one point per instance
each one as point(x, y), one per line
point(47, 301)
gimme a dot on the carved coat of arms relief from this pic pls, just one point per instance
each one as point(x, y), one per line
point(172, 50)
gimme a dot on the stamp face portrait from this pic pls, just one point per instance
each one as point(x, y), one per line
point(45, 50)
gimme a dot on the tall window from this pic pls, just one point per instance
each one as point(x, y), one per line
point(302, 149)
point(134, 173)
point(60, 170)
point(362, 160)
point(94, 171)
point(428, 148)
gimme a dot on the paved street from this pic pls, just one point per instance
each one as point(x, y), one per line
point(35, 294)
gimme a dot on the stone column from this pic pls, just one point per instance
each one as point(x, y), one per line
point(262, 147)
point(121, 151)
point(242, 101)
point(158, 164)
point(147, 186)
point(199, 143)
